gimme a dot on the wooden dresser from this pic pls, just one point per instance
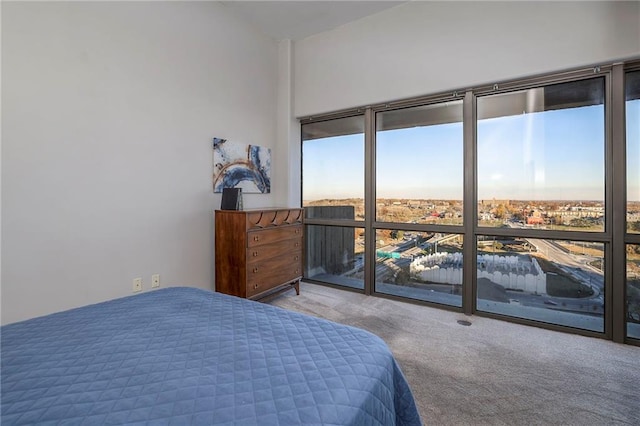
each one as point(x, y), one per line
point(258, 252)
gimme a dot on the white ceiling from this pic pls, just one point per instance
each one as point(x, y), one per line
point(296, 20)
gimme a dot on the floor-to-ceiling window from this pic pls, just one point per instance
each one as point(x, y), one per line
point(632, 107)
point(333, 197)
point(419, 183)
point(498, 200)
point(541, 168)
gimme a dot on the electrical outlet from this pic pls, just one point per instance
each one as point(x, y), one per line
point(155, 280)
point(137, 285)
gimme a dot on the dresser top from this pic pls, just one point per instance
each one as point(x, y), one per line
point(265, 209)
point(262, 218)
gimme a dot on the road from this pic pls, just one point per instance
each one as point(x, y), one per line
point(576, 265)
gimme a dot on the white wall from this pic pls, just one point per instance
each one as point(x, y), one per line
point(288, 129)
point(422, 48)
point(108, 113)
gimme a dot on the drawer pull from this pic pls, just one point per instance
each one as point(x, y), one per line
point(296, 258)
point(255, 286)
point(255, 254)
point(256, 237)
point(296, 244)
point(255, 270)
point(297, 231)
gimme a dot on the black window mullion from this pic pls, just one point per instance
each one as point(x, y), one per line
point(469, 288)
point(369, 201)
point(615, 309)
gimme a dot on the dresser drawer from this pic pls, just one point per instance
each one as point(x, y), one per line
point(268, 266)
point(271, 278)
point(269, 251)
point(266, 236)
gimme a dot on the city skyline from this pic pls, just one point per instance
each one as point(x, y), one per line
point(427, 162)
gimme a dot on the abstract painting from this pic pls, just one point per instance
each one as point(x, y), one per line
point(237, 165)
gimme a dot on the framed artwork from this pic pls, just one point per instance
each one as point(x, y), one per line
point(238, 165)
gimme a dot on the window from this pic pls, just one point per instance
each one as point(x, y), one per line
point(335, 255)
point(333, 169)
point(419, 181)
point(419, 164)
point(541, 167)
point(553, 281)
point(541, 157)
point(420, 265)
point(333, 190)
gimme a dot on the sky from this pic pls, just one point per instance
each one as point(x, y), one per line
point(551, 155)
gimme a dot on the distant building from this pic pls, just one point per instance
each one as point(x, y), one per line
point(493, 203)
point(486, 216)
point(535, 218)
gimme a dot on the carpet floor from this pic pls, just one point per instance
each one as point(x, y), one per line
point(490, 372)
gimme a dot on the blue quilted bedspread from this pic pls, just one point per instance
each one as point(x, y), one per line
point(187, 356)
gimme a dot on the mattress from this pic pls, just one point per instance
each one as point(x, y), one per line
point(187, 356)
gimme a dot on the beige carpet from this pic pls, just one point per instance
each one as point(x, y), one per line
point(491, 372)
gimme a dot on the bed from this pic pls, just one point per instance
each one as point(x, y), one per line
point(187, 356)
